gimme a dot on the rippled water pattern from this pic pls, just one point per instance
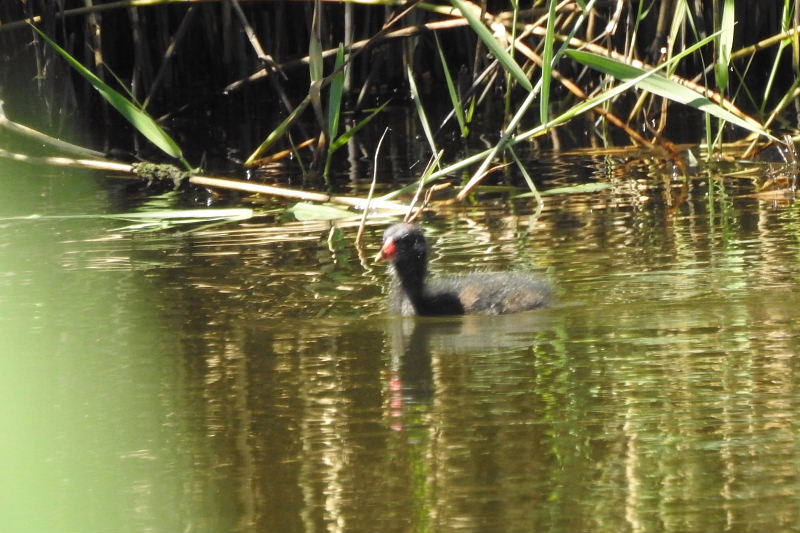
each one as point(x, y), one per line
point(248, 378)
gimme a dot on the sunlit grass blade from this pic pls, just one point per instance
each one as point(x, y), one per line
point(426, 178)
point(506, 59)
point(787, 21)
point(315, 65)
point(680, 16)
point(455, 99)
point(531, 185)
point(423, 118)
point(342, 139)
point(278, 132)
point(547, 65)
point(725, 44)
point(140, 120)
point(507, 138)
point(334, 105)
point(335, 95)
point(659, 84)
point(501, 144)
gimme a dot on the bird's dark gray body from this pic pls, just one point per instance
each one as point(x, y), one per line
point(491, 293)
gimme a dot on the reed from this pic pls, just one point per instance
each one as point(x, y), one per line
point(604, 54)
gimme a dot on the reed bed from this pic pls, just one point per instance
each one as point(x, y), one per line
point(323, 70)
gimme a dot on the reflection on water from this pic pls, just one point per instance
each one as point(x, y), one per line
point(248, 378)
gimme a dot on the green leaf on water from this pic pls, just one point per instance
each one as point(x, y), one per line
point(140, 120)
point(156, 220)
point(573, 189)
point(304, 211)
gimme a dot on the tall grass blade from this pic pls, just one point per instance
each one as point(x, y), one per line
point(334, 105)
point(335, 95)
point(315, 46)
point(342, 139)
point(140, 120)
point(680, 15)
point(532, 186)
point(786, 24)
point(455, 99)
point(547, 65)
point(725, 44)
point(491, 43)
point(278, 132)
point(423, 118)
point(659, 84)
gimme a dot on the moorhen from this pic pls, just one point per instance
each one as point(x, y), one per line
point(491, 293)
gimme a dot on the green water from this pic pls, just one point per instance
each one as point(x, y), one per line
point(247, 378)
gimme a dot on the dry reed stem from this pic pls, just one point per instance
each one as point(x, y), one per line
point(207, 181)
point(358, 45)
point(248, 186)
point(360, 232)
point(38, 136)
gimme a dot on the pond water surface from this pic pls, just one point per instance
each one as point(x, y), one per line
point(247, 377)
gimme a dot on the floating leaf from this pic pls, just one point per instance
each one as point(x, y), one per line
point(157, 220)
point(574, 189)
point(307, 211)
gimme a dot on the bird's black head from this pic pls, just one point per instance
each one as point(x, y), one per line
point(404, 242)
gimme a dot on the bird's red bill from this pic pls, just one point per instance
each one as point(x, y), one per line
point(388, 250)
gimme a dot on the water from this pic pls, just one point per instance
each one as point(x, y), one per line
point(247, 378)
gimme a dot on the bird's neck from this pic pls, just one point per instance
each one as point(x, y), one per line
point(411, 275)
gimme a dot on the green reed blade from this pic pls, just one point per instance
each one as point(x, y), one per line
point(547, 65)
point(315, 65)
point(725, 44)
point(346, 136)
point(335, 95)
point(140, 120)
point(334, 105)
point(680, 16)
point(278, 132)
point(455, 99)
point(495, 47)
point(786, 23)
point(423, 118)
point(659, 84)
